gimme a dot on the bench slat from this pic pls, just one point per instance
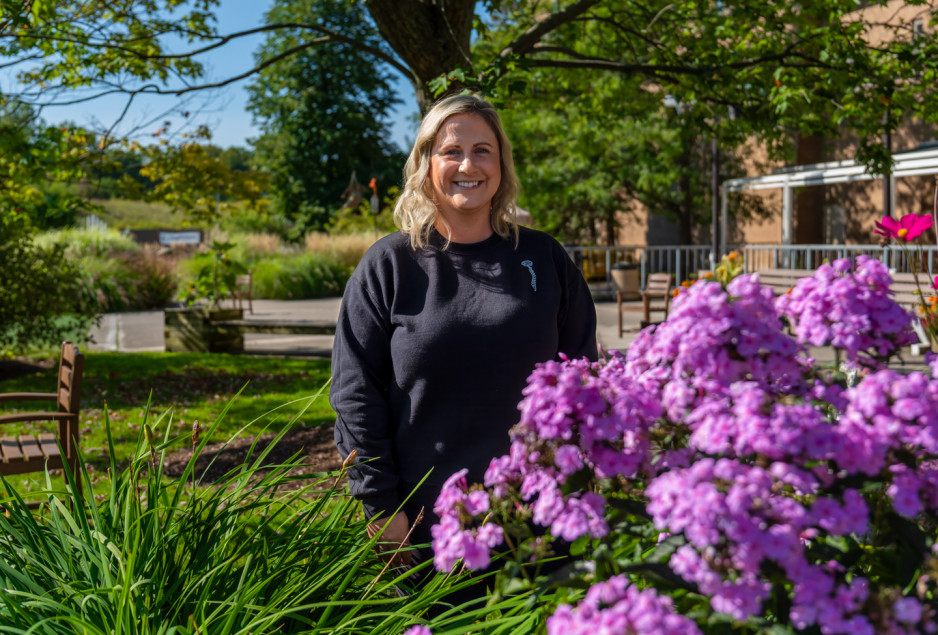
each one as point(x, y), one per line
point(10, 448)
point(30, 448)
point(48, 446)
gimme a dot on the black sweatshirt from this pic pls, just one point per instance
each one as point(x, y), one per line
point(433, 348)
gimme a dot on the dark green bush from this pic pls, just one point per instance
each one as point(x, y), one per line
point(44, 296)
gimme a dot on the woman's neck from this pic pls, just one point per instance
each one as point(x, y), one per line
point(464, 232)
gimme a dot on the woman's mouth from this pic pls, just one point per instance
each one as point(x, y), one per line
point(466, 185)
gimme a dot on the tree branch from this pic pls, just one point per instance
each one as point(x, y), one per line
point(327, 35)
point(524, 42)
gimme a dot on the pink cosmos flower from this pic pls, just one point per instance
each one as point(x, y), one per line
point(909, 227)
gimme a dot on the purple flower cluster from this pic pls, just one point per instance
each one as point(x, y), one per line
point(576, 416)
point(419, 629)
point(849, 307)
point(463, 533)
point(737, 517)
point(712, 339)
point(615, 606)
point(751, 460)
point(748, 420)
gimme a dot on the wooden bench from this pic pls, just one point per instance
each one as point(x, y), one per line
point(235, 330)
point(35, 453)
point(199, 330)
point(782, 280)
point(657, 287)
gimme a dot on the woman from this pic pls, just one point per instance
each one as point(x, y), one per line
point(442, 322)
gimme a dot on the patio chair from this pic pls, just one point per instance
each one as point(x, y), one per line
point(37, 452)
point(657, 288)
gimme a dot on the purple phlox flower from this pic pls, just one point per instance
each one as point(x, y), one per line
point(419, 629)
point(907, 610)
point(905, 491)
point(452, 543)
point(580, 516)
point(477, 502)
point(452, 494)
point(848, 305)
point(615, 606)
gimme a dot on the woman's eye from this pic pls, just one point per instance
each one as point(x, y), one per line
point(451, 153)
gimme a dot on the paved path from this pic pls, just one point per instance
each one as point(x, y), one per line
point(143, 331)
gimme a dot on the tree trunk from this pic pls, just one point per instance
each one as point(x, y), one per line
point(430, 37)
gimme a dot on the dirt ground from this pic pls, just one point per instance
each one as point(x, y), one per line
point(318, 450)
point(13, 368)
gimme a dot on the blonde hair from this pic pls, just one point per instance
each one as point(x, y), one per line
point(415, 212)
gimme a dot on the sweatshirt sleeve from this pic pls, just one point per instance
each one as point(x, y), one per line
point(577, 319)
point(361, 375)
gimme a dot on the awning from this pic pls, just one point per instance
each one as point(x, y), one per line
point(913, 163)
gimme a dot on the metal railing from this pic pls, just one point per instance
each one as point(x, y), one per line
point(686, 261)
point(896, 257)
point(683, 261)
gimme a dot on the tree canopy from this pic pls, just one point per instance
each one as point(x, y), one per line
point(812, 67)
point(323, 112)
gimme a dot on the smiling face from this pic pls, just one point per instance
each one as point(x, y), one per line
point(465, 169)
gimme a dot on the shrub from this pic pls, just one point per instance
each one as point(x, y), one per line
point(300, 276)
point(718, 464)
point(87, 243)
point(44, 296)
point(247, 220)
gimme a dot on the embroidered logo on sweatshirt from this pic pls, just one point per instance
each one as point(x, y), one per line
point(530, 266)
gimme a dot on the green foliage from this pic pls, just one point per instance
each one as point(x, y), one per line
point(192, 178)
point(101, 41)
point(122, 275)
point(87, 243)
point(215, 274)
point(130, 214)
point(156, 555)
point(299, 276)
point(361, 219)
point(323, 112)
point(263, 221)
point(583, 160)
point(44, 297)
point(264, 548)
point(34, 159)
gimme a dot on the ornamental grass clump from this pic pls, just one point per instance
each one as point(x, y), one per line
point(263, 549)
point(716, 478)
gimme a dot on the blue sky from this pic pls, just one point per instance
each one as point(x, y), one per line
point(223, 110)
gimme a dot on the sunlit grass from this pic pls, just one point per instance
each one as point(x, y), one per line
point(190, 386)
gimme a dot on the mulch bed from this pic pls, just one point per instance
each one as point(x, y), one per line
point(319, 454)
point(13, 368)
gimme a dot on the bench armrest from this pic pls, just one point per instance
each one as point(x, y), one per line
point(28, 396)
point(22, 417)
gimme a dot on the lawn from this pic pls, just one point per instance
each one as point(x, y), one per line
point(262, 394)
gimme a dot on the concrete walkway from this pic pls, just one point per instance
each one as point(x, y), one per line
point(143, 331)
